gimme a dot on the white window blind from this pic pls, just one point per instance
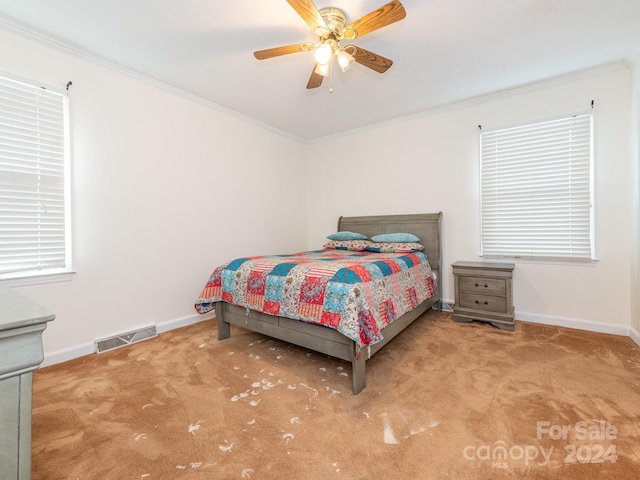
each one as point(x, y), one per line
point(536, 188)
point(33, 203)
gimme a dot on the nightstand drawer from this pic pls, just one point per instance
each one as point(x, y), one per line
point(483, 286)
point(485, 303)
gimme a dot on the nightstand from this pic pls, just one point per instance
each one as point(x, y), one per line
point(483, 291)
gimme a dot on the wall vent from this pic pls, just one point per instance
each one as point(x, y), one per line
point(125, 339)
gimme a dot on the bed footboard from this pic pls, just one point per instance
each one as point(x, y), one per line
point(314, 337)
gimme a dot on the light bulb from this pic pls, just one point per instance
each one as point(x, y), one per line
point(323, 54)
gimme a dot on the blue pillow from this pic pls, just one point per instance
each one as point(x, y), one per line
point(347, 236)
point(395, 237)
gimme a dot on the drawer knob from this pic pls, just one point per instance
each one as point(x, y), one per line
point(485, 302)
point(485, 285)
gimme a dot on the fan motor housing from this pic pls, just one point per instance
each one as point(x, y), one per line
point(335, 19)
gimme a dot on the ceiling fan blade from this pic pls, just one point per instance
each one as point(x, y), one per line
point(315, 80)
point(309, 13)
point(369, 59)
point(383, 16)
point(275, 52)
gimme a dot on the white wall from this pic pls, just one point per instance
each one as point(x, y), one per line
point(157, 176)
point(431, 163)
point(164, 189)
point(635, 243)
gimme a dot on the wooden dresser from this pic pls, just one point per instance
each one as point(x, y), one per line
point(21, 324)
point(483, 291)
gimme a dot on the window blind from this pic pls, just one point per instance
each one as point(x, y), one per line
point(536, 190)
point(33, 234)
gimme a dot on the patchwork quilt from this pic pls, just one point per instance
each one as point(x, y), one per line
point(356, 293)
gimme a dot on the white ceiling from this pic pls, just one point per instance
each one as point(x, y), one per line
point(444, 51)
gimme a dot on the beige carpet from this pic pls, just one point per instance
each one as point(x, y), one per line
point(443, 401)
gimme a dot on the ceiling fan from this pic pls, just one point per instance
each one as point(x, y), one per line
point(330, 24)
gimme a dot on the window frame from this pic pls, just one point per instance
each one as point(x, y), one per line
point(50, 274)
point(533, 255)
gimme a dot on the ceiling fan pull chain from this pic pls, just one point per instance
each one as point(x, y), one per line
point(330, 77)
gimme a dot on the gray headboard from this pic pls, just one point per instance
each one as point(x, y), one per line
point(426, 226)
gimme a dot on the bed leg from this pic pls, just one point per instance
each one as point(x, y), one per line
point(224, 328)
point(358, 372)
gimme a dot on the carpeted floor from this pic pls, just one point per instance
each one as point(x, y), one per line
point(443, 401)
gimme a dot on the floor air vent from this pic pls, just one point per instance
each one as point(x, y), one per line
point(125, 339)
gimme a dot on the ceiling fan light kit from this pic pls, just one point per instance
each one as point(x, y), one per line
point(323, 69)
point(323, 52)
point(330, 24)
point(344, 59)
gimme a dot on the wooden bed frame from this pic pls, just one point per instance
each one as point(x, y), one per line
point(428, 227)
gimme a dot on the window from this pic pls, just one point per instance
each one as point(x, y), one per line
point(536, 190)
point(34, 172)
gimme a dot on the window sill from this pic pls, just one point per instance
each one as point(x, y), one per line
point(542, 261)
point(37, 279)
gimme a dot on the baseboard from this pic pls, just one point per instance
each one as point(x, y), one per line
point(446, 306)
point(71, 353)
point(576, 323)
point(66, 354)
point(183, 322)
point(634, 335)
point(89, 348)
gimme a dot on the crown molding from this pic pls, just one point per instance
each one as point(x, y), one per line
point(95, 59)
point(490, 97)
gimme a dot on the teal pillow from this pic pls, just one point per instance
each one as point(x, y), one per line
point(340, 236)
point(395, 237)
